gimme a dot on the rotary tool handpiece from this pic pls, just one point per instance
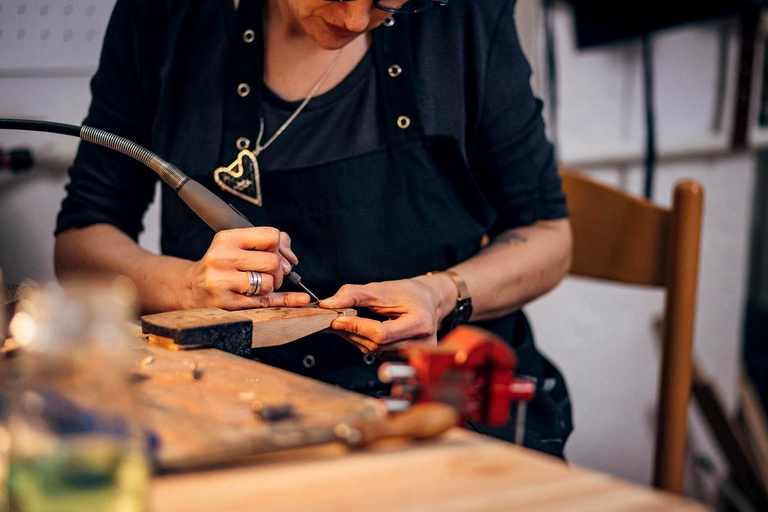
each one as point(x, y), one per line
point(207, 205)
point(220, 216)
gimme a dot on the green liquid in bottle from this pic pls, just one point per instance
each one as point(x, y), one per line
point(98, 474)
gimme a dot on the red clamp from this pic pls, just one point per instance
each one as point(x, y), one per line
point(471, 369)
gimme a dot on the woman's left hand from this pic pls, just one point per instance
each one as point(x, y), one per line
point(413, 307)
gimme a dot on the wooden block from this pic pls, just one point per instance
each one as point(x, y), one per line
point(238, 332)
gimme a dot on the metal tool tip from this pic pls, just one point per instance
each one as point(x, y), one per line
point(309, 292)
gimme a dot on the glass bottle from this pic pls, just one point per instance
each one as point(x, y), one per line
point(74, 443)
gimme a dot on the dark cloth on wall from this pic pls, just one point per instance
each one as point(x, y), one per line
point(474, 159)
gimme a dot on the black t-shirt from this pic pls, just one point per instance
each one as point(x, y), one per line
point(168, 70)
point(159, 83)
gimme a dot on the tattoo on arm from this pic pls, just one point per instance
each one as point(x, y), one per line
point(509, 238)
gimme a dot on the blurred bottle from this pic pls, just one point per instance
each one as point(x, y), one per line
point(73, 441)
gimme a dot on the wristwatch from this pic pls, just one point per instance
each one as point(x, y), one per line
point(463, 309)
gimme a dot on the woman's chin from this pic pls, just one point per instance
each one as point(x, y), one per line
point(328, 37)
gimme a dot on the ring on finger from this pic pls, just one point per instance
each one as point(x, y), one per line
point(254, 282)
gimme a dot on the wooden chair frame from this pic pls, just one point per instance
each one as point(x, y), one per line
point(622, 238)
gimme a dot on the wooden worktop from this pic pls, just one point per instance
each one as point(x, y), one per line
point(460, 472)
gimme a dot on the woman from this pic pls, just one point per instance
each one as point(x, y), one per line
point(386, 145)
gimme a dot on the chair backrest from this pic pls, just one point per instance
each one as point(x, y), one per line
point(626, 239)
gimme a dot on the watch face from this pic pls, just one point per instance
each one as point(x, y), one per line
point(460, 315)
point(462, 312)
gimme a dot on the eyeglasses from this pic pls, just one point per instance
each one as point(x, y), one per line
point(406, 6)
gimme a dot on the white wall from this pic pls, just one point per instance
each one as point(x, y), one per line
point(604, 336)
point(48, 52)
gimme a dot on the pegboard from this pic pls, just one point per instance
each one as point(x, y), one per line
point(56, 34)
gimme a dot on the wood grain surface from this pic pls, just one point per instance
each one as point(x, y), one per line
point(461, 471)
point(199, 404)
point(239, 331)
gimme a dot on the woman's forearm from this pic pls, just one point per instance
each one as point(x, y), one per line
point(104, 249)
point(518, 266)
point(220, 279)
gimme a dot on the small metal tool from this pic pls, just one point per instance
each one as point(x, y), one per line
point(296, 279)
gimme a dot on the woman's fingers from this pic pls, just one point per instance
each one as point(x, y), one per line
point(284, 299)
point(367, 346)
point(244, 283)
point(270, 300)
point(394, 347)
point(268, 263)
point(351, 295)
point(285, 249)
point(408, 326)
point(263, 239)
point(221, 277)
point(364, 345)
point(256, 238)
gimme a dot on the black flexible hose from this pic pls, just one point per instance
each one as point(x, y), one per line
point(169, 173)
point(40, 126)
point(208, 206)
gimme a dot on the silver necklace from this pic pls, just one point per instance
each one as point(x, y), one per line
point(242, 177)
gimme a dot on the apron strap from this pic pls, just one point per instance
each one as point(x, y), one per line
point(393, 61)
point(245, 79)
point(396, 75)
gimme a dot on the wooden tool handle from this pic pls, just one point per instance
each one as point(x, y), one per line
point(422, 421)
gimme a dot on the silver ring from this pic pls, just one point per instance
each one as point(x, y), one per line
point(254, 282)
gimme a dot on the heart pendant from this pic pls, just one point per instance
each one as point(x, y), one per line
point(241, 178)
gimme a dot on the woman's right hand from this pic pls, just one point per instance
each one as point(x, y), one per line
point(220, 278)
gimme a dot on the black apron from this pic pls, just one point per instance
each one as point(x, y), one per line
point(400, 211)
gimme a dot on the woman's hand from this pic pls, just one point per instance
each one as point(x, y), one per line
point(414, 308)
point(220, 278)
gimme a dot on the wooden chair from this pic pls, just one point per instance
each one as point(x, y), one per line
point(623, 238)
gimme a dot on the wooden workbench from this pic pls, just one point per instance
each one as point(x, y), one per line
point(460, 471)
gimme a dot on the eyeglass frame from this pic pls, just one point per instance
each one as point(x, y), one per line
point(376, 3)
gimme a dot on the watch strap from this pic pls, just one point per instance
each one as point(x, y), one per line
point(461, 286)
